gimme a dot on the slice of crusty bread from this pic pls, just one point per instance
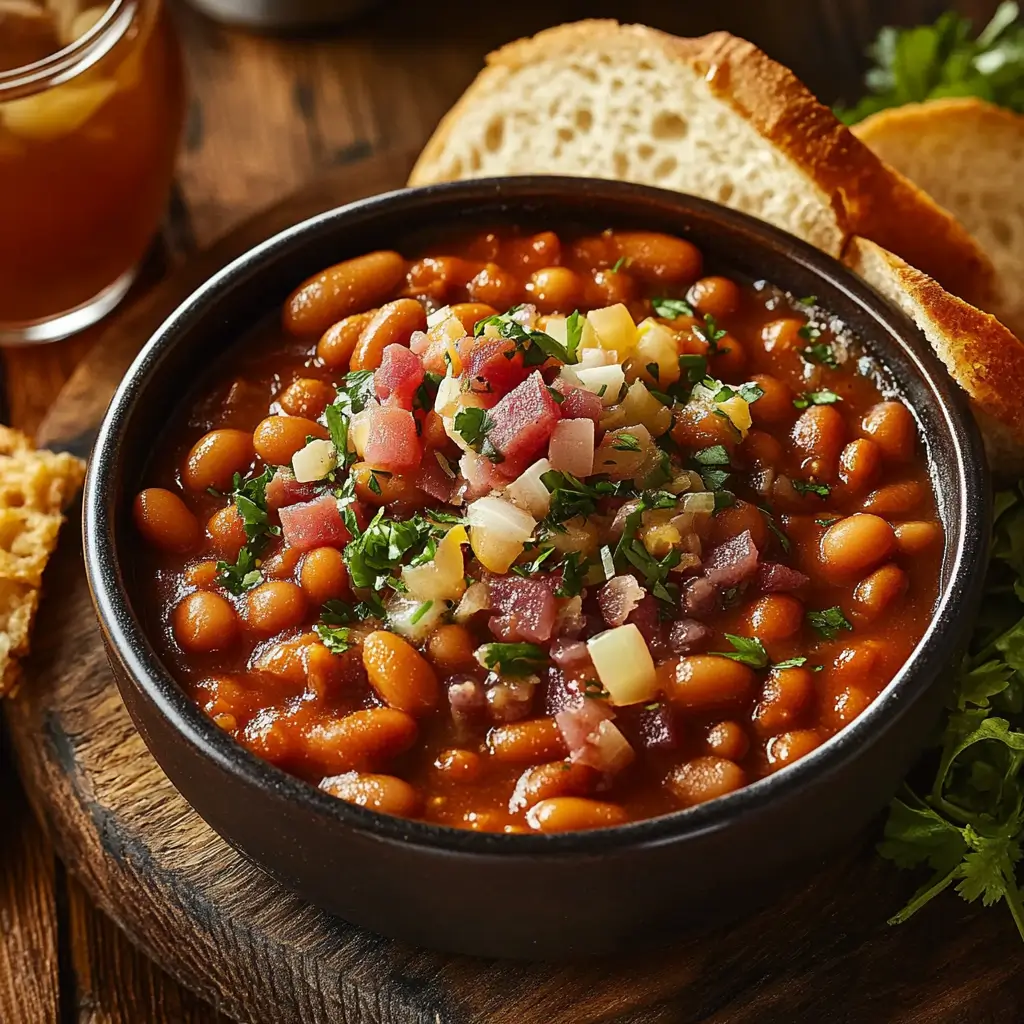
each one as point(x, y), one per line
point(711, 116)
point(985, 358)
point(968, 155)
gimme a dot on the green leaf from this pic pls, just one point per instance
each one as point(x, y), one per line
point(574, 570)
point(819, 353)
point(626, 443)
point(536, 346)
point(810, 487)
point(385, 546)
point(334, 638)
point(355, 392)
point(512, 659)
point(527, 569)
point(337, 427)
point(671, 309)
point(573, 335)
point(710, 332)
point(473, 425)
point(716, 455)
point(919, 835)
point(808, 398)
point(829, 621)
point(747, 651)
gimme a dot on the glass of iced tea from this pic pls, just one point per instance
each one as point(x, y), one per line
point(91, 111)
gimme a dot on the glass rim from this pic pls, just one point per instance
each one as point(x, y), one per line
point(71, 60)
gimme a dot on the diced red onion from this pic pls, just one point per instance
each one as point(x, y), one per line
point(687, 634)
point(569, 652)
point(732, 562)
point(509, 700)
point(699, 596)
point(617, 599)
point(527, 609)
point(773, 577)
point(466, 695)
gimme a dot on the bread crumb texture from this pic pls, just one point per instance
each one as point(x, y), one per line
point(35, 487)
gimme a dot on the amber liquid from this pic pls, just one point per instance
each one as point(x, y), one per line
point(85, 167)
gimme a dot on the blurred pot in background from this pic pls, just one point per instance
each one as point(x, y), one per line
point(91, 111)
point(270, 14)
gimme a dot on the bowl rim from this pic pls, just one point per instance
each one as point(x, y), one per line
point(126, 636)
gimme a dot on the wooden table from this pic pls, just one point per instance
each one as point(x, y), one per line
point(266, 116)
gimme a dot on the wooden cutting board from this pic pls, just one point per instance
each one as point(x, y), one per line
point(260, 954)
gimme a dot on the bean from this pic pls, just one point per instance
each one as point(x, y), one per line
point(342, 290)
point(532, 252)
point(459, 765)
point(705, 681)
point(715, 295)
point(381, 487)
point(226, 530)
point(537, 739)
point(760, 449)
point(546, 781)
point(338, 342)
point(386, 794)
point(859, 464)
point(859, 664)
point(782, 335)
point(215, 459)
point(554, 289)
point(494, 286)
point(894, 499)
point(786, 693)
point(729, 358)
point(704, 778)
point(848, 703)
point(392, 324)
point(775, 404)
point(451, 648)
point(593, 251)
point(732, 521)
point(270, 736)
point(273, 607)
point(469, 314)
point(165, 521)
point(915, 538)
point(323, 576)
point(277, 438)
point(401, 675)
point(729, 740)
point(877, 593)
point(820, 433)
point(655, 258)
point(202, 574)
point(281, 564)
point(307, 397)
point(574, 814)
point(359, 740)
point(775, 617)
point(438, 275)
point(788, 747)
point(891, 426)
point(204, 622)
point(855, 544)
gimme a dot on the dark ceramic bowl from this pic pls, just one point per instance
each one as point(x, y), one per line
point(544, 896)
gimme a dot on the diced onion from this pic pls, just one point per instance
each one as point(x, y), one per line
point(443, 578)
point(448, 392)
point(403, 610)
point(528, 490)
point(590, 357)
point(498, 531)
point(605, 381)
point(359, 430)
point(624, 664)
point(738, 411)
point(701, 501)
point(655, 346)
point(640, 406)
point(475, 599)
point(314, 461)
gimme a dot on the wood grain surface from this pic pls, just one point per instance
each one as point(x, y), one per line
point(267, 117)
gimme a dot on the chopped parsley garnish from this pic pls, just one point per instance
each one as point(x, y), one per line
point(671, 309)
point(769, 518)
point(426, 393)
point(334, 638)
point(355, 391)
point(571, 497)
point(337, 427)
point(594, 690)
point(810, 487)
point(512, 659)
point(820, 353)
point(420, 612)
point(808, 398)
point(536, 346)
point(534, 567)
point(808, 300)
point(626, 443)
point(693, 367)
point(746, 650)
point(714, 479)
point(376, 556)
point(374, 482)
point(827, 521)
point(630, 551)
point(622, 261)
point(796, 663)
point(573, 334)
point(474, 425)
point(829, 622)
point(716, 455)
point(250, 497)
point(750, 392)
point(574, 570)
point(710, 332)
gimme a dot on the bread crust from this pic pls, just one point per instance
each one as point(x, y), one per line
point(982, 355)
point(910, 117)
point(867, 196)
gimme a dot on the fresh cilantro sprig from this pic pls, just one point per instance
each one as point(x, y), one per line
point(829, 621)
point(939, 60)
point(671, 309)
point(250, 498)
point(750, 651)
point(536, 346)
point(375, 558)
point(968, 827)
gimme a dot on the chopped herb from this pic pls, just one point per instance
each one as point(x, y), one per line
point(654, 370)
point(714, 479)
point(829, 621)
point(385, 546)
point(594, 690)
point(626, 443)
point(769, 518)
point(374, 483)
point(671, 309)
point(337, 427)
point(808, 300)
point(573, 335)
point(420, 612)
point(607, 561)
point(796, 663)
point(570, 497)
point(574, 571)
point(723, 499)
point(355, 392)
point(334, 638)
point(436, 515)
point(716, 455)
point(426, 393)
point(693, 367)
point(652, 707)
point(827, 521)
point(939, 60)
point(536, 346)
point(556, 394)
point(808, 398)
point(710, 332)
point(809, 487)
point(746, 650)
point(250, 497)
point(820, 354)
point(534, 567)
point(474, 425)
point(241, 575)
point(621, 262)
point(512, 659)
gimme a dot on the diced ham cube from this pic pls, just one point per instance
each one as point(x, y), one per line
point(578, 402)
point(772, 577)
point(284, 489)
point(523, 421)
point(732, 562)
point(314, 524)
point(494, 366)
point(593, 739)
point(433, 480)
point(392, 442)
point(526, 608)
point(399, 375)
point(657, 727)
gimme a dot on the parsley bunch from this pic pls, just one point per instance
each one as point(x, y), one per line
point(969, 826)
point(933, 61)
